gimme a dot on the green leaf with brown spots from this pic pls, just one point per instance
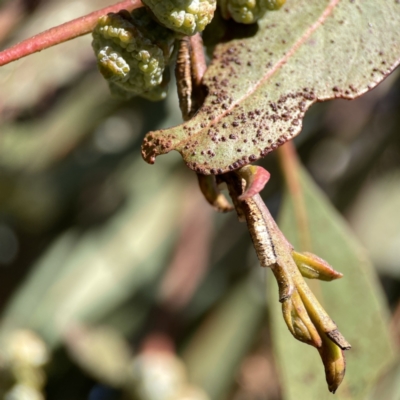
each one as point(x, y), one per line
point(260, 87)
point(355, 302)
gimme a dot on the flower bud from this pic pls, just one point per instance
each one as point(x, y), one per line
point(132, 53)
point(299, 322)
point(334, 363)
point(186, 17)
point(248, 11)
point(314, 267)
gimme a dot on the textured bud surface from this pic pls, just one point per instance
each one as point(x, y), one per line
point(132, 53)
point(248, 11)
point(183, 16)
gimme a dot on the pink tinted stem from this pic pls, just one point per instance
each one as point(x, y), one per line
point(62, 33)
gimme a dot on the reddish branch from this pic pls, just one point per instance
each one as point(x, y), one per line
point(62, 33)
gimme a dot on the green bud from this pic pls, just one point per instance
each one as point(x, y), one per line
point(248, 11)
point(299, 322)
point(186, 17)
point(314, 267)
point(334, 362)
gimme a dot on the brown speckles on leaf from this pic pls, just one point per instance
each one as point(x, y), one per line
point(245, 99)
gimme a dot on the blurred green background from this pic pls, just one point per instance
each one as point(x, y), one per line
point(118, 280)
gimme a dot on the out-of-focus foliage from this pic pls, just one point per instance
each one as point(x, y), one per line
point(113, 270)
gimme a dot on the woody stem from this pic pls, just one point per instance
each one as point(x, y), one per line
point(62, 33)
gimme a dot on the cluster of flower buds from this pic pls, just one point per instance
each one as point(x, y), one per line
point(134, 49)
point(186, 17)
point(248, 11)
point(132, 53)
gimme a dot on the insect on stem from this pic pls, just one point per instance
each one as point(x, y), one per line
point(190, 68)
point(183, 74)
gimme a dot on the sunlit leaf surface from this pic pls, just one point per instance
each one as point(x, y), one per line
point(260, 87)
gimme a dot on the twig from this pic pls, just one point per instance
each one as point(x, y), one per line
point(62, 33)
point(271, 246)
point(303, 314)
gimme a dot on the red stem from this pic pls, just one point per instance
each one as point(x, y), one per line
point(62, 33)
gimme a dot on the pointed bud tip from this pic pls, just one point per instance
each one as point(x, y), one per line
point(336, 274)
point(334, 363)
point(314, 267)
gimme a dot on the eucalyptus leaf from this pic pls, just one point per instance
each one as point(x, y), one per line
point(260, 87)
point(375, 219)
point(355, 302)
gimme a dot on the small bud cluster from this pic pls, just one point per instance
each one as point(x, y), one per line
point(183, 16)
point(248, 11)
point(134, 49)
point(132, 53)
